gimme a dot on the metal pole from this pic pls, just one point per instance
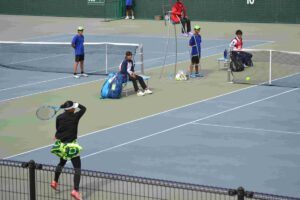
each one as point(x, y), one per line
point(175, 67)
point(32, 191)
point(142, 58)
point(166, 49)
point(270, 68)
point(106, 59)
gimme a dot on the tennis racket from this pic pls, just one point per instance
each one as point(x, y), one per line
point(47, 112)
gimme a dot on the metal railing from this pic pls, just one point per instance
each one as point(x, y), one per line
point(29, 180)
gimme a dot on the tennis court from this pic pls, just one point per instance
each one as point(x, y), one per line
point(204, 131)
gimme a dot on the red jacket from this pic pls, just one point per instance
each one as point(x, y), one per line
point(177, 10)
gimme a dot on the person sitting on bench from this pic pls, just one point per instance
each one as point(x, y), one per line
point(236, 46)
point(127, 69)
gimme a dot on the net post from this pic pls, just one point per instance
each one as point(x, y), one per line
point(229, 75)
point(106, 59)
point(142, 58)
point(32, 166)
point(270, 68)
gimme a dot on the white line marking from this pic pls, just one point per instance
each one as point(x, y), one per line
point(179, 126)
point(245, 128)
point(140, 119)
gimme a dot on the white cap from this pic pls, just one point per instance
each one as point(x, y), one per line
point(75, 105)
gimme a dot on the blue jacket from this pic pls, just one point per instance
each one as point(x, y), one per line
point(129, 2)
point(78, 41)
point(124, 67)
point(195, 43)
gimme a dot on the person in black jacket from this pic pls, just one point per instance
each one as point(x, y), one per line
point(127, 69)
point(66, 134)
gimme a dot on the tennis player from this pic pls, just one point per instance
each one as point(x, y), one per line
point(66, 146)
point(78, 45)
point(195, 43)
point(177, 10)
point(127, 69)
point(129, 9)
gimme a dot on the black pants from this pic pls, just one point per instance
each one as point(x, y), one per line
point(185, 22)
point(77, 167)
point(141, 81)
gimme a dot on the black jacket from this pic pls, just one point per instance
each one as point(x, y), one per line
point(67, 125)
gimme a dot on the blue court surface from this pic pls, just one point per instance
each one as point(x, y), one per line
point(19, 83)
point(249, 137)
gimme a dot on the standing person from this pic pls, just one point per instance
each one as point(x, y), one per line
point(179, 16)
point(129, 9)
point(66, 146)
point(195, 44)
point(127, 69)
point(78, 45)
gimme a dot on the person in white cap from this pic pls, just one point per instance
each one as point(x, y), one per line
point(66, 135)
point(78, 45)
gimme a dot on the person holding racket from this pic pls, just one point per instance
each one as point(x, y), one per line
point(78, 45)
point(66, 146)
point(177, 10)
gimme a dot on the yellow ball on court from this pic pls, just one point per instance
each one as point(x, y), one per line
point(248, 78)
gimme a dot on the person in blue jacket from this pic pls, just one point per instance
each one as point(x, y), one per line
point(195, 44)
point(127, 69)
point(129, 9)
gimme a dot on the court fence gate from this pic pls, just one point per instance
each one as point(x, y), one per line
point(31, 181)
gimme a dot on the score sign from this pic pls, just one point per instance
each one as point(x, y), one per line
point(250, 2)
point(96, 2)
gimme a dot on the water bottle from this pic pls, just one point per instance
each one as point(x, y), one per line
point(225, 54)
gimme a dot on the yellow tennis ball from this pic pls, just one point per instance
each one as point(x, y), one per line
point(248, 78)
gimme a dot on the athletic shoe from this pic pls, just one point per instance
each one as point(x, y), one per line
point(147, 91)
point(184, 34)
point(76, 76)
point(190, 33)
point(75, 194)
point(140, 93)
point(84, 75)
point(54, 185)
point(192, 76)
point(198, 75)
point(132, 17)
point(126, 17)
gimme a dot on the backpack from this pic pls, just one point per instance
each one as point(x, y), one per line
point(112, 87)
point(236, 65)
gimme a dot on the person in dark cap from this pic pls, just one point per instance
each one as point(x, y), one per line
point(66, 146)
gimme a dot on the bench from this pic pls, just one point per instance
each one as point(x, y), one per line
point(127, 89)
point(223, 63)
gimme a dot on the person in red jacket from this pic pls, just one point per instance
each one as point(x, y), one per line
point(179, 15)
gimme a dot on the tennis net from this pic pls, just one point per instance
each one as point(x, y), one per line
point(270, 67)
point(58, 57)
point(29, 180)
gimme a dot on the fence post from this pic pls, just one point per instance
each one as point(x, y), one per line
point(240, 193)
point(32, 166)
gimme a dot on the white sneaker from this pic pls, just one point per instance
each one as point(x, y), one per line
point(147, 91)
point(84, 75)
point(76, 76)
point(132, 17)
point(140, 93)
point(127, 17)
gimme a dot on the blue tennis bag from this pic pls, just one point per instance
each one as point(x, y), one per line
point(112, 87)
